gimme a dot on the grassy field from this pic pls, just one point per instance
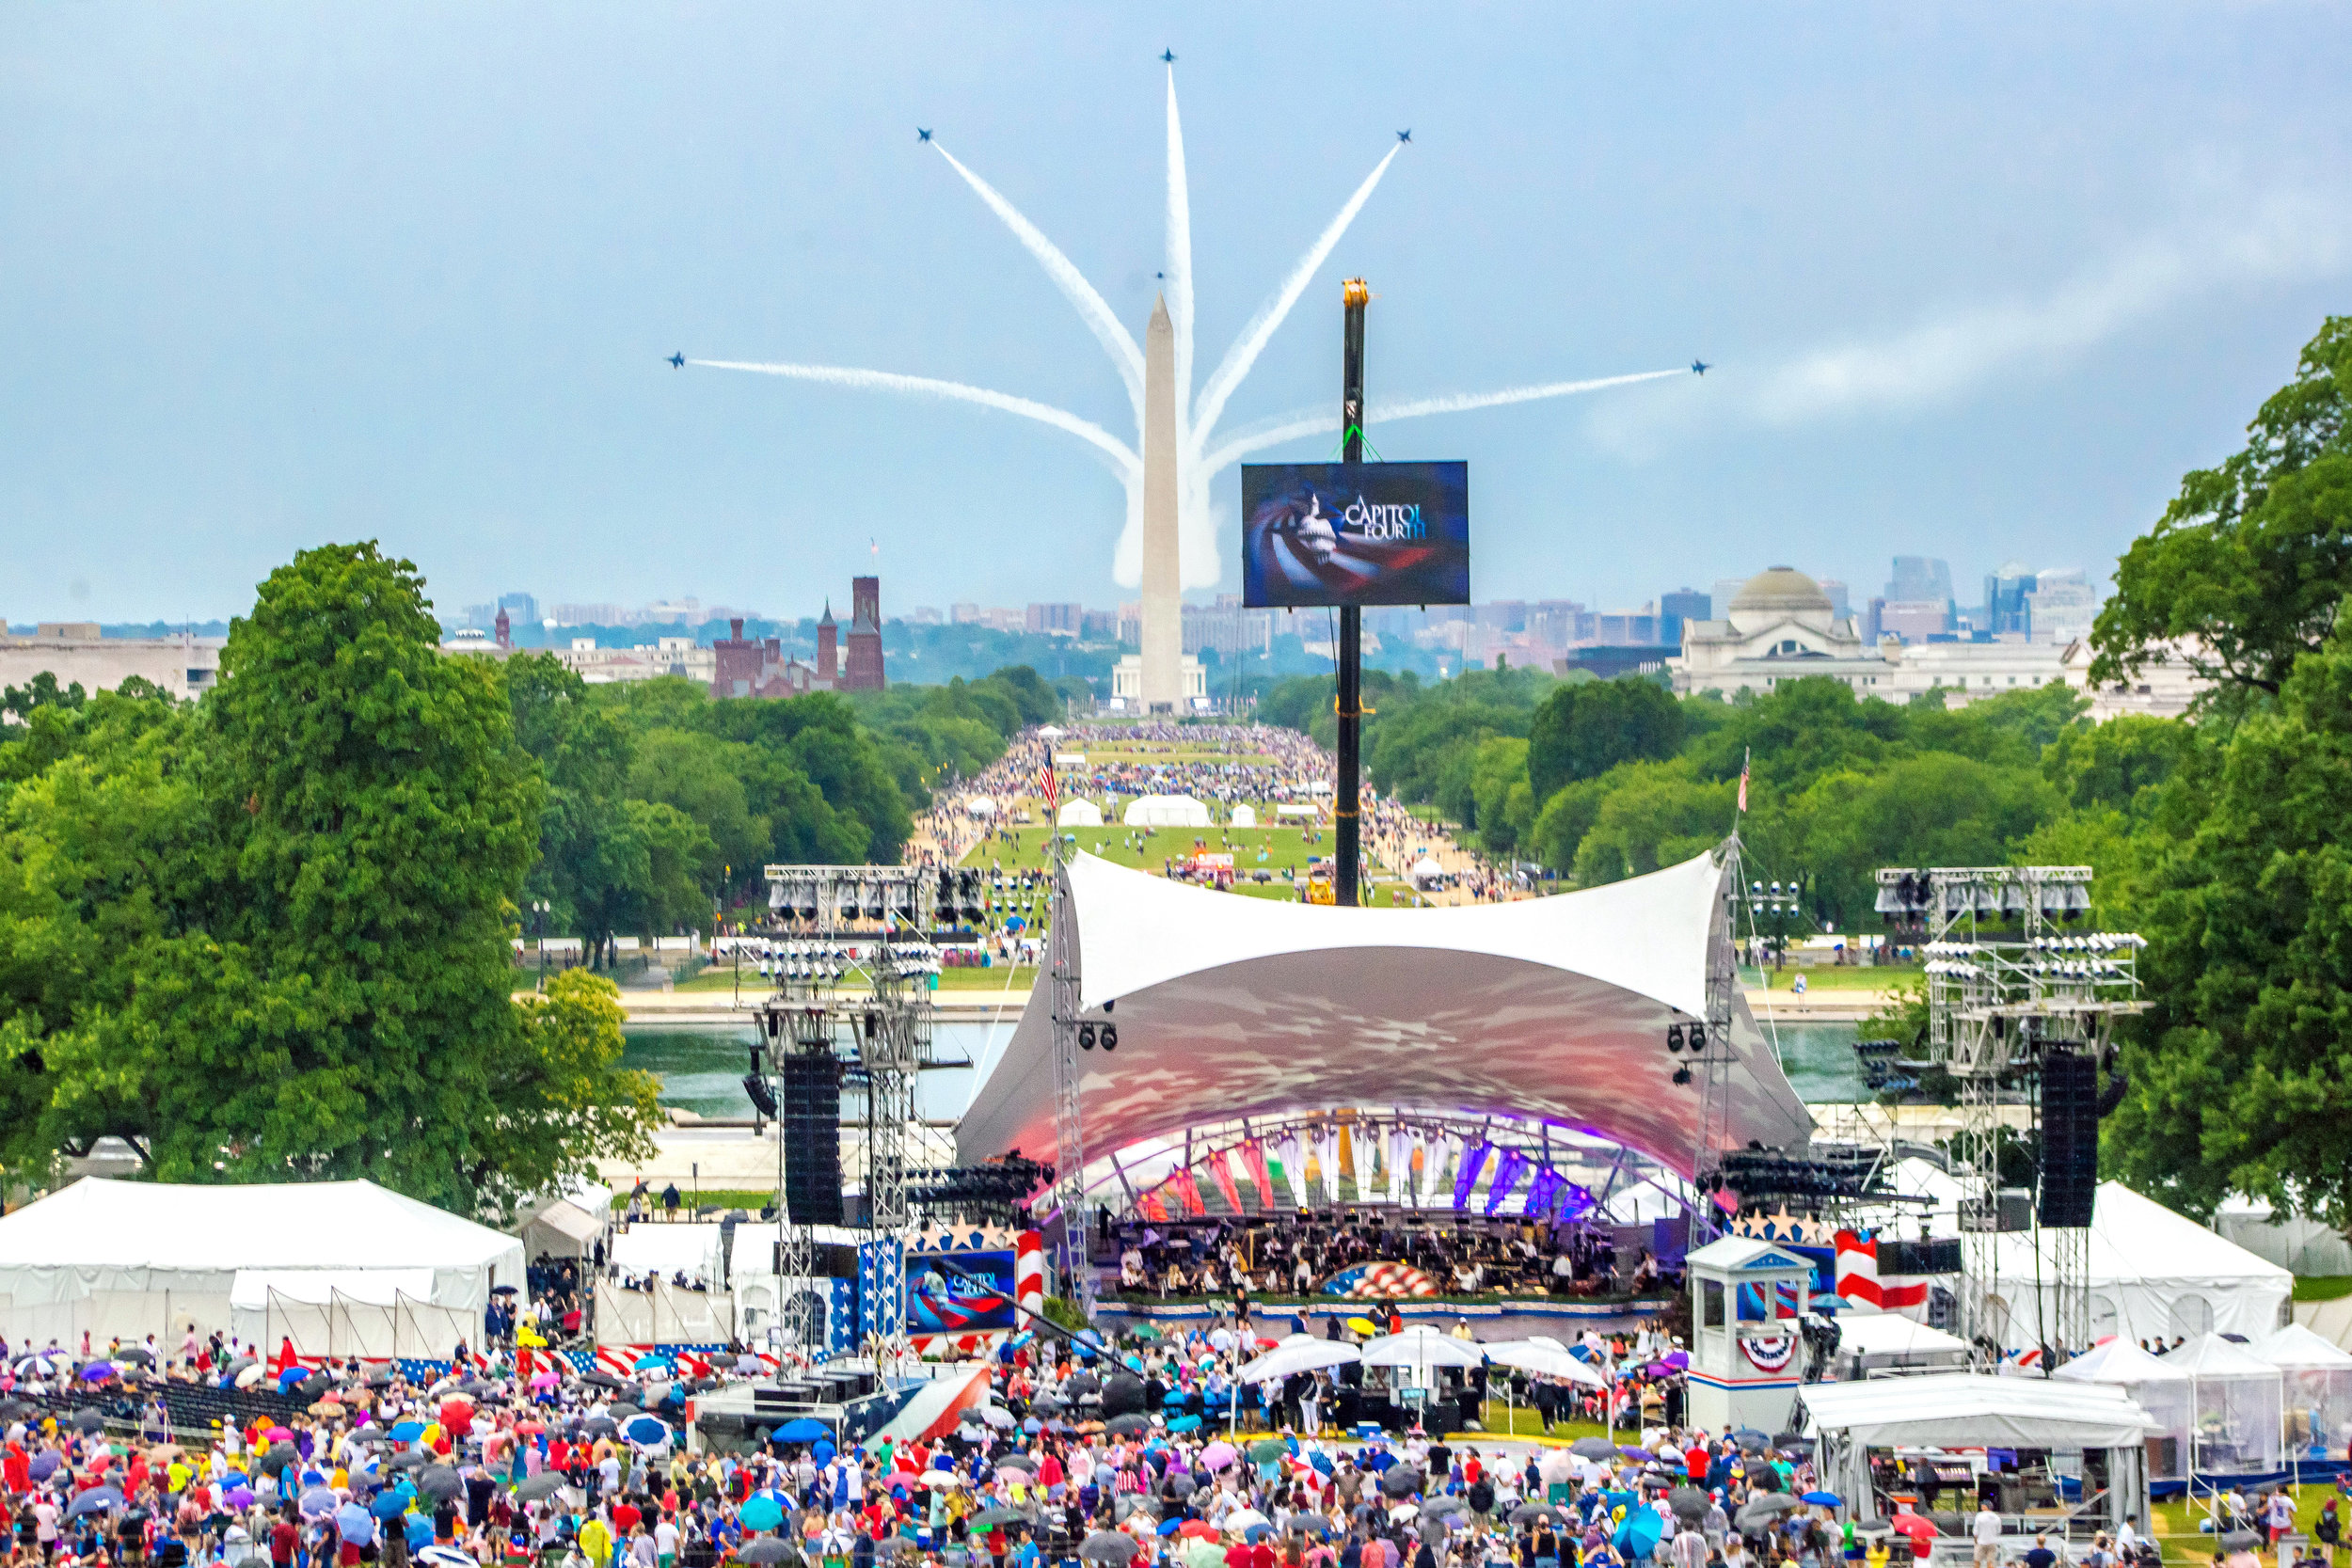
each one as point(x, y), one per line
point(1861, 977)
point(1284, 850)
point(2322, 1287)
point(2177, 1524)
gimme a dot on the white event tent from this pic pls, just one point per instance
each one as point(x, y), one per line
point(1551, 1008)
point(1164, 811)
point(1079, 814)
point(136, 1258)
point(2318, 1392)
point(2154, 1274)
point(1968, 1410)
point(2157, 1384)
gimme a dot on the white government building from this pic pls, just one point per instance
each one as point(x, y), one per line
point(1781, 627)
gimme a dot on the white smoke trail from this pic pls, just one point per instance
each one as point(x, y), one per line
point(1254, 337)
point(1179, 261)
point(1123, 461)
point(1113, 335)
point(1289, 427)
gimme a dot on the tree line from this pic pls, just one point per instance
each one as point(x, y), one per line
point(267, 935)
point(2218, 836)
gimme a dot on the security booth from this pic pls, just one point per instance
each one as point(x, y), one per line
point(1747, 1352)
point(2065, 1458)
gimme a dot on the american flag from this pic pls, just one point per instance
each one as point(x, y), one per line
point(1743, 780)
point(1049, 784)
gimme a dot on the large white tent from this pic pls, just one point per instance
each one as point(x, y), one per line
point(1164, 811)
point(1549, 1008)
point(2154, 1274)
point(135, 1258)
point(2159, 1385)
point(2318, 1389)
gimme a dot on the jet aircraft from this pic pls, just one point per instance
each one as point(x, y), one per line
point(677, 361)
point(921, 134)
point(1405, 135)
point(1700, 367)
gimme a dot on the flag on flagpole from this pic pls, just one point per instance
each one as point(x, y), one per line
point(1050, 786)
point(1743, 782)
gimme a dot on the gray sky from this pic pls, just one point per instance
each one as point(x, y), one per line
point(1981, 280)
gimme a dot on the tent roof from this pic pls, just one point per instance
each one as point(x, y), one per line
point(1970, 1410)
point(2135, 1240)
point(101, 1223)
point(2121, 1361)
point(2297, 1349)
point(2209, 1357)
point(1549, 1008)
point(1892, 1334)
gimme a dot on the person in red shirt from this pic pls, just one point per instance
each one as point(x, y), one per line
point(625, 1517)
point(1695, 1461)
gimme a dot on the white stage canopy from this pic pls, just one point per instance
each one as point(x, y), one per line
point(2154, 1274)
point(1230, 1007)
point(1079, 814)
point(131, 1258)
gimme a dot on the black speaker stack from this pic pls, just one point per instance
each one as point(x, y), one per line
point(2070, 1139)
point(812, 1136)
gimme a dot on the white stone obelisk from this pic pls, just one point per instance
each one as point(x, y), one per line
point(1163, 594)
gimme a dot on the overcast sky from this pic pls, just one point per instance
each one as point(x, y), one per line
point(1980, 280)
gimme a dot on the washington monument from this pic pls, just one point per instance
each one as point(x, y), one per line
point(1162, 630)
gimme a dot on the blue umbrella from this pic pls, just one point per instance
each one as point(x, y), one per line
point(419, 1532)
point(98, 1500)
point(1185, 1423)
point(291, 1376)
point(802, 1431)
point(1638, 1536)
point(389, 1505)
point(760, 1513)
point(45, 1463)
point(653, 1363)
point(353, 1524)
point(1170, 1525)
point(317, 1503)
point(98, 1371)
point(407, 1431)
point(647, 1429)
point(1824, 1500)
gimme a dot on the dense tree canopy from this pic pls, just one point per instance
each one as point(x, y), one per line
point(267, 937)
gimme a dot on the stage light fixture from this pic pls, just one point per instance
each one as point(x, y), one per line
point(1674, 1037)
point(1085, 1037)
point(1682, 1075)
point(1110, 1038)
point(1697, 1036)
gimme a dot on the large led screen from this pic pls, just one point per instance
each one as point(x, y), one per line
point(959, 1292)
point(1355, 534)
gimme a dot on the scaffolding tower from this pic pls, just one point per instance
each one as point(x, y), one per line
point(1075, 1276)
point(2011, 983)
point(851, 953)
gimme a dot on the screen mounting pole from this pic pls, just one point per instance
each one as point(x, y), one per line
point(1348, 851)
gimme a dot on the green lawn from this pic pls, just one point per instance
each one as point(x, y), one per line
point(1505, 1420)
point(1861, 977)
point(2177, 1524)
point(1285, 849)
point(2322, 1287)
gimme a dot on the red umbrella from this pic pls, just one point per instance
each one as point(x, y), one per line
point(1922, 1533)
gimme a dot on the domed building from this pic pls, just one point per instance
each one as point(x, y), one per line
point(1779, 627)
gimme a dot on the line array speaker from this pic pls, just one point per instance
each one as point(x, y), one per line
point(812, 1137)
point(2070, 1139)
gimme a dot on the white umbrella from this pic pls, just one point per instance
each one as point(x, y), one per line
point(1300, 1353)
point(1421, 1347)
point(1544, 1360)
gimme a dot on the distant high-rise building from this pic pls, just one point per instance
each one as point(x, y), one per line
point(924, 615)
point(1501, 615)
point(520, 607)
point(1914, 620)
point(687, 611)
point(1099, 626)
point(1684, 604)
point(864, 671)
point(589, 615)
point(1919, 580)
point(1057, 619)
point(1726, 589)
point(2062, 606)
point(2005, 596)
point(1838, 604)
point(965, 614)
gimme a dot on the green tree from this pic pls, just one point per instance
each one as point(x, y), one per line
point(2241, 1074)
point(1505, 804)
point(267, 938)
point(1581, 731)
point(2247, 568)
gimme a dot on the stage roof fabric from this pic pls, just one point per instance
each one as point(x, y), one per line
point(1232, 1006)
